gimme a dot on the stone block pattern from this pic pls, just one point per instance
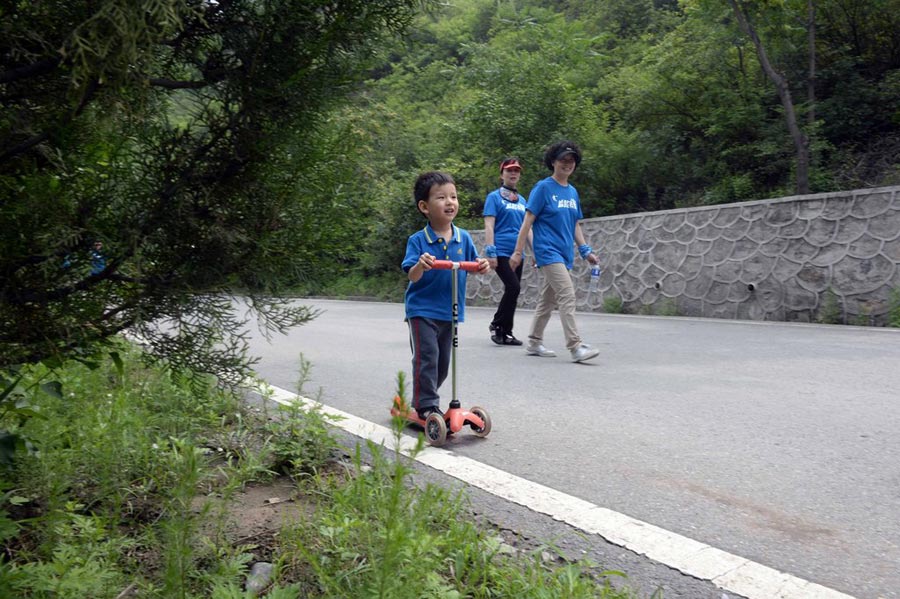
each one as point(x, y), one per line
point(778, 259)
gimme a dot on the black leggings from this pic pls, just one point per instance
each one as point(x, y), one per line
point(506, 311)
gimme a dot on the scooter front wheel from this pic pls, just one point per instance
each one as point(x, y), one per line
point(435, 429)
point(485, 430)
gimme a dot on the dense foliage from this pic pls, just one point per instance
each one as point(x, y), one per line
point(202, 143)
point(667, 98)
point(186, 136)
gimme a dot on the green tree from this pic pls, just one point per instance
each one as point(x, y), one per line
point(858, 90)
point(511, 82)
point(783, 88)
point(190, 137)
point(667, 98)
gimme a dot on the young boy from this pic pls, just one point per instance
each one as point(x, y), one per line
point(428, 296)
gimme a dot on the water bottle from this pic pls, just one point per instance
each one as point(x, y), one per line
point(595, 278)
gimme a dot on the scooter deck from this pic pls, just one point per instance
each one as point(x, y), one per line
point(437, 428)
point(408, 413)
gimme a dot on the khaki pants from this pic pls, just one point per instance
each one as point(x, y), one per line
point(557, 291)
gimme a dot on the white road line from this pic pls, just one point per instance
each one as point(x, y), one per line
point(726, 570)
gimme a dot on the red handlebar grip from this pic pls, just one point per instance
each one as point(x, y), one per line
point(448, 264)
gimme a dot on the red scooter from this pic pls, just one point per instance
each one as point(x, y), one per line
point(455, 418)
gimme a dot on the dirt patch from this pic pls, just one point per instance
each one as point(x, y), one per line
point(255, 515)
point(261, 509)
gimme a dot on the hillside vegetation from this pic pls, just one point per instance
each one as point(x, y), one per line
point(667, 98)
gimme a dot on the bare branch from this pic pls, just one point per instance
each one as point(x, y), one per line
point(174, 84)
point(801, 141)
point(32, 70)
point(24, 146)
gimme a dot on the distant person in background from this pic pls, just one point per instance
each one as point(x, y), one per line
point(98, 260)
point(504, 211)
point(95, 256)
point(554, 212)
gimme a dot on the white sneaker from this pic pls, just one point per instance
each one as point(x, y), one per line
point(584, 352)
point(539, 350)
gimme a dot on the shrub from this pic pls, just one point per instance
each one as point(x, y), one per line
point(668, 307)
point(613, 305)
point(894, 308)
point(830, 311)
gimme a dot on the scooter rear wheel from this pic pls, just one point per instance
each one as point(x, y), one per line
point(435, 429)
point(485, 430)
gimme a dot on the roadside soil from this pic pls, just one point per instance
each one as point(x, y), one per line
point(257, 513)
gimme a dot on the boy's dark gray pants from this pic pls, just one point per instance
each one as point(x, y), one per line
point(430, 342)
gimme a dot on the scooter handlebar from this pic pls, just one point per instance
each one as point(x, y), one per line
point(448, 265)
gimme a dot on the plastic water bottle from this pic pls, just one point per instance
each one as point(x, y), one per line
point(595, 278)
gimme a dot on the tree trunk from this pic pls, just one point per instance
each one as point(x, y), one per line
point(801, 142)
point(811, 78)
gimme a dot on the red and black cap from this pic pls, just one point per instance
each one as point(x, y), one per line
point(510, 163)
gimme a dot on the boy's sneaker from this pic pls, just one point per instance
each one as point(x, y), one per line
point(537, 349)
point(584, 352)
point(426, 411)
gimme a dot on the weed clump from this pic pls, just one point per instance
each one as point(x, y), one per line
point(830, 311)
point(127, 494)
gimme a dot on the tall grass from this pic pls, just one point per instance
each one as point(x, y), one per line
point(113, 503)
point(105, 501)
point(382, 536)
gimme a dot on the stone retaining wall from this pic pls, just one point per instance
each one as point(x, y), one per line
point(786, 259)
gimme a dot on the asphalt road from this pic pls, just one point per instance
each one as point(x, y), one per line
point(776, 442)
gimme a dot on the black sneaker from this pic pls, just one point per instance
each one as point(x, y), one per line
point(511, 340)
point(427, 411)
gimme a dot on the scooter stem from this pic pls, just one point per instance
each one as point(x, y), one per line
point(454, 403)
point(468, 266)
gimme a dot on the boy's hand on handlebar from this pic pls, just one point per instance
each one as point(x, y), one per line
point(484, 266)
point(426, 260)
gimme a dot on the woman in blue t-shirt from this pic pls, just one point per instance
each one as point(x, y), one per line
point(553, 214)
point(504, 211)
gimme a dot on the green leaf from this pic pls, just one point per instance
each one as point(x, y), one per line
point(8, 444)
point(9, 387)
point(117, 360)
point(52, 388)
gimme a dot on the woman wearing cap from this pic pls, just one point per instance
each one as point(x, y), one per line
point(504, 211)
point(553, 214)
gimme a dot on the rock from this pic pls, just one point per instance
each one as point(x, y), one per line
point(259, 578)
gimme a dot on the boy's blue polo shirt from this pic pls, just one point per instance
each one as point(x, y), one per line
point(432, 295)
point(556, 209)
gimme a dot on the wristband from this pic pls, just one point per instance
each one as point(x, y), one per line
point(490, 251)
point(585, 250)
